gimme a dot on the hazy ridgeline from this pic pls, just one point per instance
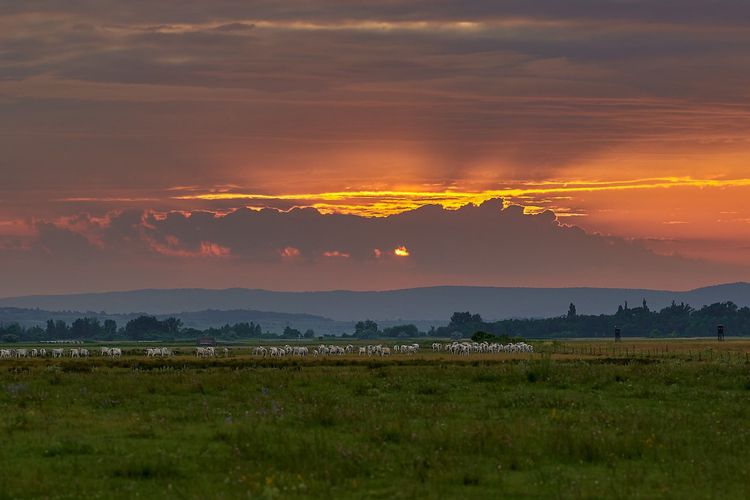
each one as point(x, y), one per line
point(645, 421)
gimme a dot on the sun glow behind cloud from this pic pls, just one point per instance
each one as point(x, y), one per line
point(381, 203)
point(401, 251)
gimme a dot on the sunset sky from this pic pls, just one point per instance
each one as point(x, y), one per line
point(305, 145)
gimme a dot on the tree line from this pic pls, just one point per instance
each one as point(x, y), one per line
point(140, 328)
point(675, 320)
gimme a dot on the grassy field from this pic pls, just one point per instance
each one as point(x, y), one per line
point(579, 419)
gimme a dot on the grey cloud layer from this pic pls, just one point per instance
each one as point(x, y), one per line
point(476, 244)
point(725, 11)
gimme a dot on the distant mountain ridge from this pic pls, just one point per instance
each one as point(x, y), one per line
point(273, 322)
point(405, 305)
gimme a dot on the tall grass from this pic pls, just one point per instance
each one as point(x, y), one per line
point(384, 429)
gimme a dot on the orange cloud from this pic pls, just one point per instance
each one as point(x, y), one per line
point(172, 247)
point(289, 252)
point(210, 249)
point(336, 253)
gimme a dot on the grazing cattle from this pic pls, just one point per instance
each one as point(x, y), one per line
point(5, 353)
point(466, 348)
point(58, 353)
point(116, 352)
point(106, 351)
point(84, 352)
point(205, 352)
point(74, 353)
point(153, 352)
point(21, 353)
point(42, 352)
point(461, 348)
point(408, 349)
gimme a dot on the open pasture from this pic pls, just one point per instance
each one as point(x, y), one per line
point(700, 349)
point(649, 419)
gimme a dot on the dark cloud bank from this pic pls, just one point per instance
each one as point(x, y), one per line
point(304, 249)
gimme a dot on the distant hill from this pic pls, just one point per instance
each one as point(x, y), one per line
point(425, 305)
point(273, 322)
point(270, 321)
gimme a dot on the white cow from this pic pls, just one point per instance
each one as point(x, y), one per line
point(205, 352)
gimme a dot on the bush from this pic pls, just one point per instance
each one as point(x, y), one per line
point(488, 337)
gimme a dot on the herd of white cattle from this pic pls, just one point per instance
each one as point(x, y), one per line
point(459, 348)
point(466, 348)
point(462, 348)
point(77, 352)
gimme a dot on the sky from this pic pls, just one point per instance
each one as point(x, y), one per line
point(308, 145)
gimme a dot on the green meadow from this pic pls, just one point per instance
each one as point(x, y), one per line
point(405, 427)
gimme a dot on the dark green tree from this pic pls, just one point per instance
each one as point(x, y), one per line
point(366, 329)
point(572, 311)
point(109, 328)
point(291, 333)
